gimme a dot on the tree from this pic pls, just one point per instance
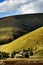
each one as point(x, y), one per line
point(31, 53)
point(26, 55)
point(30, 50)
point(13, 54)
point(1, 56)
point(5, 55)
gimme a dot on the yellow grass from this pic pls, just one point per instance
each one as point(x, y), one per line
point(33, 39)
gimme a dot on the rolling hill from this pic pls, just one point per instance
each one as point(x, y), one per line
point(18, 25)
point(26, 22)
point(32, 40)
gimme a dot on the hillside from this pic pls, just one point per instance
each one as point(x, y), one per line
point(33, 40)
point(26, 22)
point(19, 25)
point(8, 34)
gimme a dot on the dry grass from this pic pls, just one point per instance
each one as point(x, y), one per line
point(23, 62)
point(33, 39)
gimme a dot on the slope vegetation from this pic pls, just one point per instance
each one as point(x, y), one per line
point(33, 40)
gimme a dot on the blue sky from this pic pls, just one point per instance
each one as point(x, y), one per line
point(2, 0)
point(16, 7)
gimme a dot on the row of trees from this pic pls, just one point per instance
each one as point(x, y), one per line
point(25, 54)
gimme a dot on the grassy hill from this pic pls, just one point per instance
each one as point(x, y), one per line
point(13, 27)
point(33, 40)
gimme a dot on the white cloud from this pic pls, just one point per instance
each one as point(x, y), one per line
point(32, 7)
point(27, 8)
point(10, 4)
point(22, 6)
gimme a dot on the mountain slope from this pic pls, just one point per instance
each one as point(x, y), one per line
point(25, 23)
point(19, 25)
point(8, 34)
point(33, 40)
